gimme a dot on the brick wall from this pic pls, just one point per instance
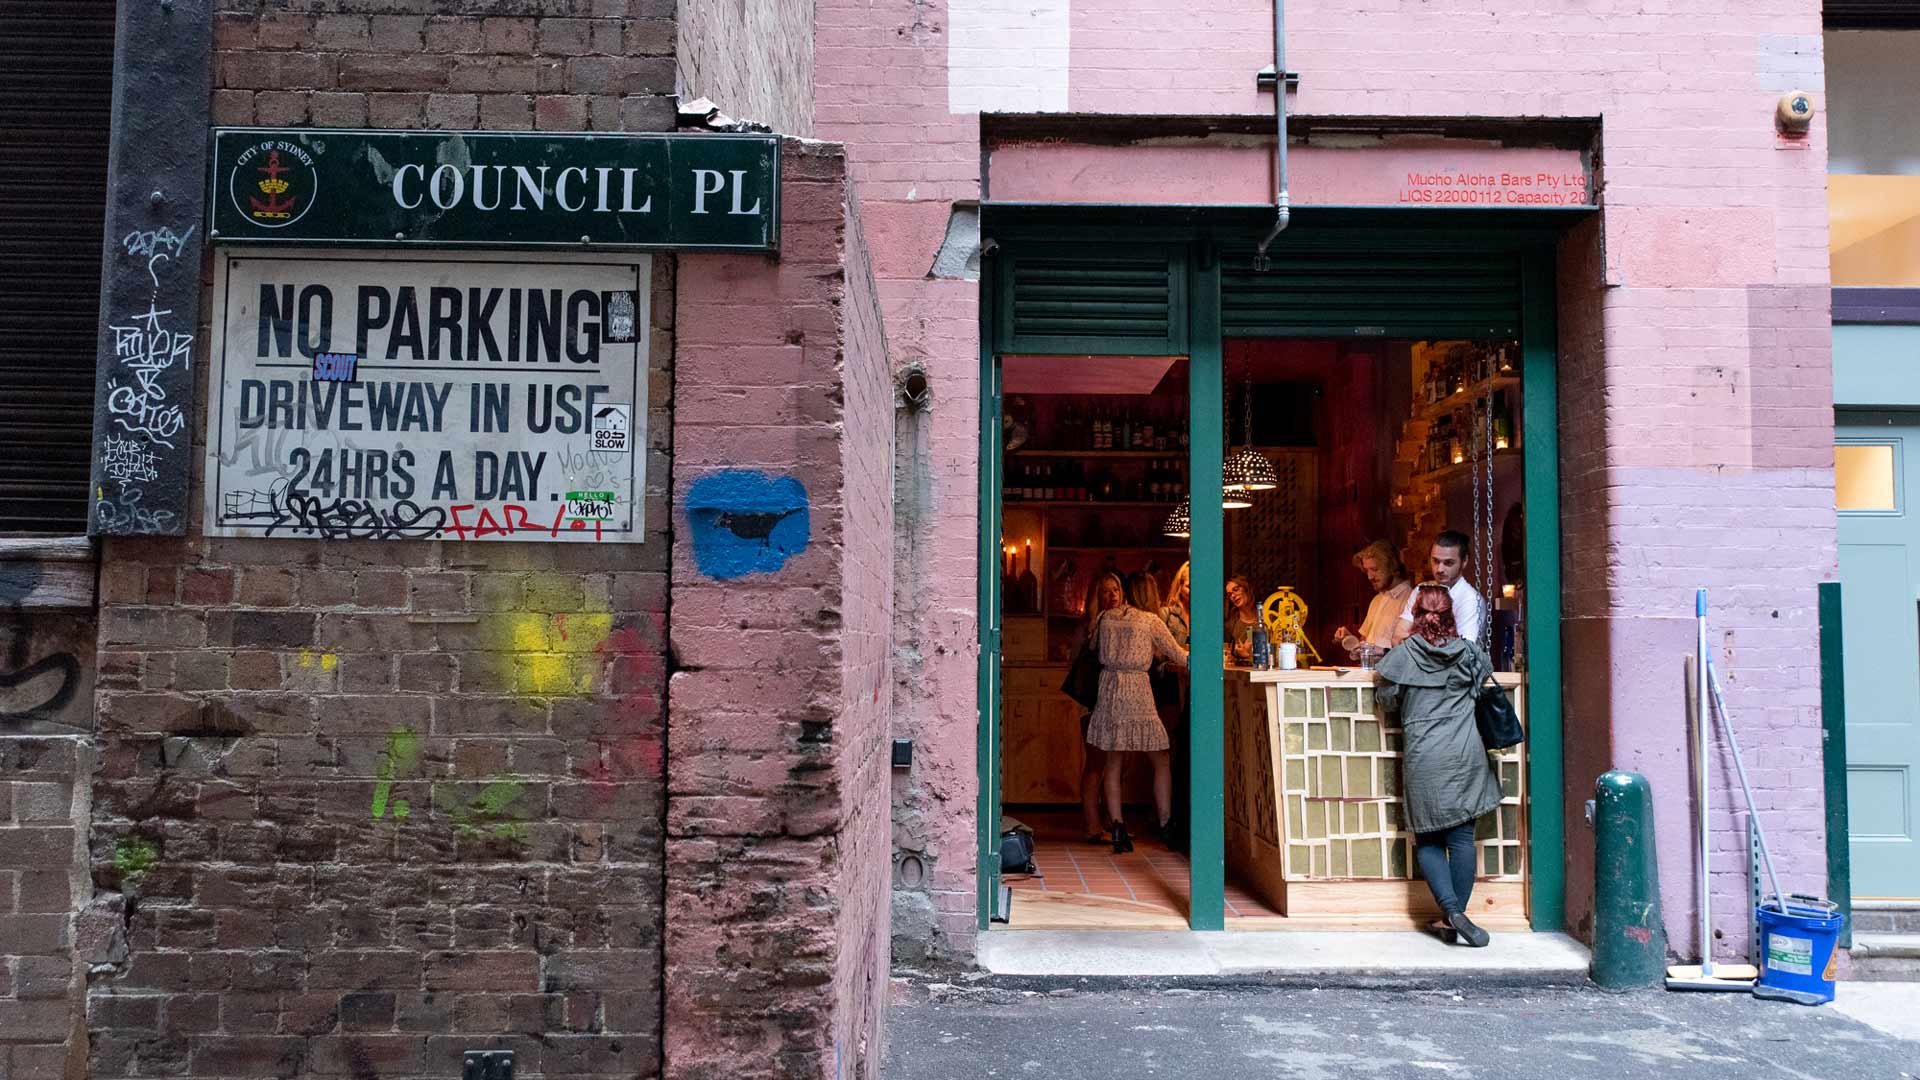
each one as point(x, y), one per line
point(881, 86)
point(776, 774)
point(42, 876)
point(549, 65)
point(46, 718)
point(346, 818)
point(754, 59)
point(863, 735)
point(1694, 356)
point(365, 805)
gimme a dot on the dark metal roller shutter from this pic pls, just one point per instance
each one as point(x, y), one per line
point(56, 99)
point(1339, 293)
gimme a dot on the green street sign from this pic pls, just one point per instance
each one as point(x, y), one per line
point(706, 192)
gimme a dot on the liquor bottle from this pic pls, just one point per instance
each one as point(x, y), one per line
point(1102, 430)
point(1029, 585)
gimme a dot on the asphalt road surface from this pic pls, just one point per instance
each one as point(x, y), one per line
point(962, 1031)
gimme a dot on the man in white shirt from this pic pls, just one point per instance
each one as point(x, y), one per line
point(1447, 561)
point(1391, 591)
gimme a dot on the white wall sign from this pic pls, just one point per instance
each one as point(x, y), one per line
point(469, 397)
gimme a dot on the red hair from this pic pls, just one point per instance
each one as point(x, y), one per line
point(1433, 614)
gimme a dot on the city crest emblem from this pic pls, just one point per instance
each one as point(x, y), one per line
point(273, 183)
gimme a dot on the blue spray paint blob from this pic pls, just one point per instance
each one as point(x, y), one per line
point(746, 522)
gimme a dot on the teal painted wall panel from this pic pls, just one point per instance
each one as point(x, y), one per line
point(1876, 365)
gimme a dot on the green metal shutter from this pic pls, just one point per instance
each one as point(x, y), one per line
point(1099, 300)
point(1120, 300)
point(56, 102)
point(1329, 293)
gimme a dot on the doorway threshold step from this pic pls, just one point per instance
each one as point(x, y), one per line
point(1332, 956)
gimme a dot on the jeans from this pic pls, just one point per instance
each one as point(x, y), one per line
point(1447, 862)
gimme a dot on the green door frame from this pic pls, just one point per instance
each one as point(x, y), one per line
point(1531, 238)
point(987, 745)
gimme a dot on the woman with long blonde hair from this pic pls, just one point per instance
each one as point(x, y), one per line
point(1124, 719)
point(1104, 593)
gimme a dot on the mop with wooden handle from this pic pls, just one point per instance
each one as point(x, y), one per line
point(1707, 975)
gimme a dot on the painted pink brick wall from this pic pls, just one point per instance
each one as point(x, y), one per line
point(1695, 375)
point(866, 692)
point(777, 820)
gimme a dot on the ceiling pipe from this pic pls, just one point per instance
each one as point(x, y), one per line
point(1282, 204)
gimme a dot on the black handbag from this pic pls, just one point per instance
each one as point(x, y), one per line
point(1494, 712)
point(1083, 677)
point(1016, 849)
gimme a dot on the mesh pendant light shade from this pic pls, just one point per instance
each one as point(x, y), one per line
point(1179, 524)
point(1234, 500)
point(1247, 469)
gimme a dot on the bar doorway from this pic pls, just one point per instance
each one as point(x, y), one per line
point(1238, 332)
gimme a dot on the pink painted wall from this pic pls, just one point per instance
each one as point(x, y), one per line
point(776, 929)
point(1695, 365)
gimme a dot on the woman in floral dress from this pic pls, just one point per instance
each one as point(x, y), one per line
point(1129, 637)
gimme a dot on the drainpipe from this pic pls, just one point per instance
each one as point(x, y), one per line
point(1282, 210)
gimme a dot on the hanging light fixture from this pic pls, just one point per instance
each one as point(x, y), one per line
point(1246, 469)
point(1179, 524)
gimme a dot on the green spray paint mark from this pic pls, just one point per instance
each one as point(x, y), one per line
point(133, 859)
point(497, 811)
point(401, 756)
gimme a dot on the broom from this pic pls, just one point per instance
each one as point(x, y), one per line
point(1706, 975)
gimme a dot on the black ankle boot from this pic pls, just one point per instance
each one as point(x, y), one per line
point(1122, 843)
point(1469, 933)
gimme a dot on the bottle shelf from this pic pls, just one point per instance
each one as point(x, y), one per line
point(1440, 476)
point(1087, 503)
point(1465, 398)
point(1124, 549)
point(1099, 455)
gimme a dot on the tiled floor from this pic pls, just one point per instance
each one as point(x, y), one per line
point(1151, 875)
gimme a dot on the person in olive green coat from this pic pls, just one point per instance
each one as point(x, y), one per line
point(1433, 679)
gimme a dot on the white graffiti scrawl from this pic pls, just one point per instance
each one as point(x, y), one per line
point(128, 460)
point(145, 349)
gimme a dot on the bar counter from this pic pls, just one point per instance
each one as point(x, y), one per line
point(1314, 818)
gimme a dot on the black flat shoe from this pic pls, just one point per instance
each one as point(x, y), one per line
point(1469, 933)
point(1122, 843)
point(1438, 928)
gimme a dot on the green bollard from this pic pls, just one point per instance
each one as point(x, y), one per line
point(1629, 938)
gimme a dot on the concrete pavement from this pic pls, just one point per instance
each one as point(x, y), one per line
point(978, 1028)
point(1513, 957)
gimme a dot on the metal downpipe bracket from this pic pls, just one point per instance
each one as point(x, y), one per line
point(1282, 205)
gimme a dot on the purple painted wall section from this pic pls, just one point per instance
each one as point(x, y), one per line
point(1694, 359)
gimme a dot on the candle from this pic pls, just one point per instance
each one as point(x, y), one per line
point(1507, 590)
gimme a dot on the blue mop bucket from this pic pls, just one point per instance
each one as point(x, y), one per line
point(1797, 949)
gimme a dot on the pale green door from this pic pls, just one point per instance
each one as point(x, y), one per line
point(1877, 491)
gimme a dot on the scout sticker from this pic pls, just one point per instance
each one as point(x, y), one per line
point(611, 425)
point(335, 367)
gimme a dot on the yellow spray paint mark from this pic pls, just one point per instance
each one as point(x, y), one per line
point(553, 654)
point(325, 661)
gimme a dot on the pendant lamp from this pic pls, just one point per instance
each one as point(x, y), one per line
point(1179, 524)
point(1247, 469)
